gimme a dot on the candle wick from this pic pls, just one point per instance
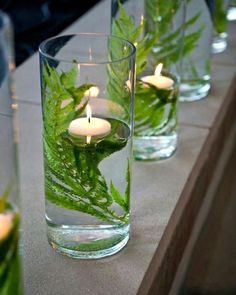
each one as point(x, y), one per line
point(89, 119)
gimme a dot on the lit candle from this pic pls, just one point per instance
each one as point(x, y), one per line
point(89, 126)
point(5, 225)
point(161, 82)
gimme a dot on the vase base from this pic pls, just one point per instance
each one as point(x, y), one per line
point(193, 92)
point(219, 43)
point(88, 242)
point(231, 14)
point(147, 148)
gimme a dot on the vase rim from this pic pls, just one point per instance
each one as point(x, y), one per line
point(43, 51)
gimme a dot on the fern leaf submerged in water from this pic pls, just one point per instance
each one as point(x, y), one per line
point(72, 177)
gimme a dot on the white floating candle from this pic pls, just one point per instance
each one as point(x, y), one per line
point(161, 82)
point(92, 91)
point(89, 126)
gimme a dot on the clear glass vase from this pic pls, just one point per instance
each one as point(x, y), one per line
point(219, 16)
point(195, 77)
point(157, 32)
point(163, 22)
point(155, 132)
point(10, 273)
point(87, 100)
point(231, 14)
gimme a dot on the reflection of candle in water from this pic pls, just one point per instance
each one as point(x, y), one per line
point(5, 225)
point(157, 80)
point(89, 126)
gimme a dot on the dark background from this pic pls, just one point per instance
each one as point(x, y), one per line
point(37, 20)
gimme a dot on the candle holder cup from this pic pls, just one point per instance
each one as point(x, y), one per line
point(231, 13)
point(87, 101)
point(10, 270)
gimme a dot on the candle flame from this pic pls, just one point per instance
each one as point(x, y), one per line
point(6, 223)
point(12, 66)
point(88, 112)
point(92, 91)
point(128, 82)
point(142, 20)
point(14, 106)
point(88, 139)
point(89, 115)
point(158, 69)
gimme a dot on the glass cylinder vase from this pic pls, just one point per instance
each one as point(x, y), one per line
point(231, 14)
point(195, 77)
point(87, 99)
point(162, 30)
point(10, 274)
point(219, 16)
point(156, 101)
point(157, 33)
point(165, 21)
